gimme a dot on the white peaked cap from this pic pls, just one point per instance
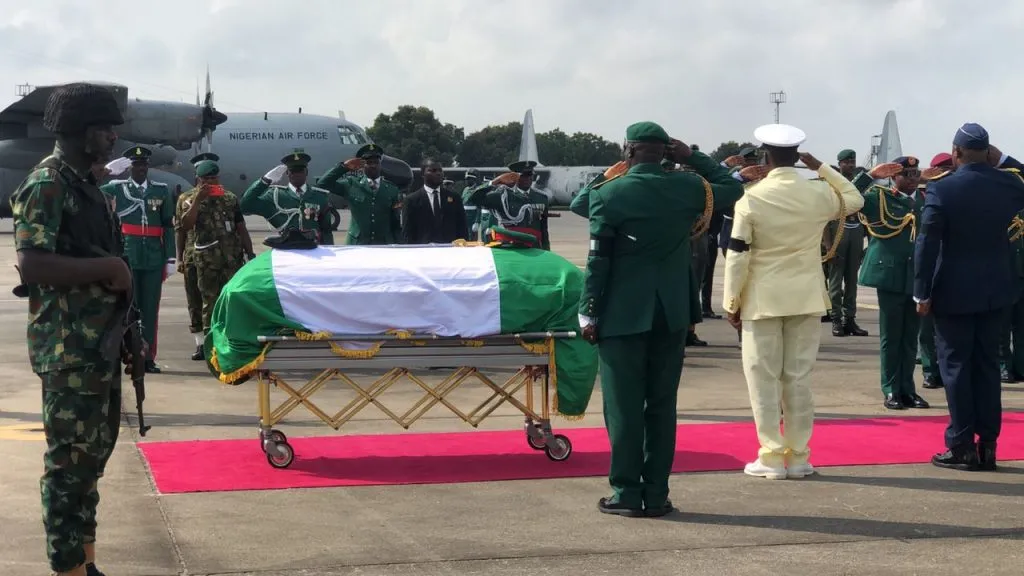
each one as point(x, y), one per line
point(780, 135)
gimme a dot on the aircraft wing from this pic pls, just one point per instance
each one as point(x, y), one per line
point(31, 106)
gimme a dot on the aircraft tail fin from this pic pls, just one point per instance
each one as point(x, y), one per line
point(528, 142)
point(889, 145)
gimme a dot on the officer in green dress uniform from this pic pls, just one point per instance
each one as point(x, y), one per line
point(843, 267)
point(890, 216)
point(146, 210)
point(375, 203)
point(513, 203)
point(636, 305)
point(297, 206)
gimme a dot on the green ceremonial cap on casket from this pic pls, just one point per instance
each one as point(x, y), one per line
point(646, 132)
point(846, 155)
point(206, 168)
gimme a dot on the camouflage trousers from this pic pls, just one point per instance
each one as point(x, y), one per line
point(81, 420)
point(211, 279)
point(194, 299)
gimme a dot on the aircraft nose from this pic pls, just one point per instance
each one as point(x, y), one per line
point(212, 118)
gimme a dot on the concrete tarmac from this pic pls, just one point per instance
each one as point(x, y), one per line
point(870, 520)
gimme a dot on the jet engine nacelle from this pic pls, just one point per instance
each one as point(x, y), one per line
point(172, 123)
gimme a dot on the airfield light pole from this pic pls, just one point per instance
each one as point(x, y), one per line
point(24, 89)
point(777, 98)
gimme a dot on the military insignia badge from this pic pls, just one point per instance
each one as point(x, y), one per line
point(450, 200)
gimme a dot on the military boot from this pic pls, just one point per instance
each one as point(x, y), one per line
point(987, 456)
point(1005, 376)
point(838, 330)
point(851, 328)
point(960, 458)
point(198, 354)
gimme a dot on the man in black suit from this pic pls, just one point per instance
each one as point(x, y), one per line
point(432, 214)
point(963, 276)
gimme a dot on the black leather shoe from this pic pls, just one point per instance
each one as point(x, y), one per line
point(966, 459)
point(987, 456)
point(198, 354)
point(92, 570)
point(932, 383)
point(837, 328)
point(692, 340)
point(893, 402)
point(917, 360)
point(825, 319)
point(152, 368)
point(914, 401)
point(710, 314)
point(852, 329)
point(658, 512)
point(1005, 377)
point(606, 506)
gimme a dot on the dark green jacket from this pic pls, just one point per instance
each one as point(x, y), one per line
point(376, 215)
point(640, 226)
point(889, 260)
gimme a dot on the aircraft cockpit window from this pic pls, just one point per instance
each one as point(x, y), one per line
point(350, 136)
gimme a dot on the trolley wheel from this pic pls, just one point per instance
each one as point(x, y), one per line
point(536, 442)
point(282, 461)
point(278, 437)
point(559, 448)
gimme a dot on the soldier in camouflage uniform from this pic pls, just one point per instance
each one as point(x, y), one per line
point(185, 243)
point(69, 248)
point(220, 240)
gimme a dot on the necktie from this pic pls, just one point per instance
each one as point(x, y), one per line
point(437, 204)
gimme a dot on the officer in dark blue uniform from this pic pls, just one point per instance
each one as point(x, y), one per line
point(963, 227)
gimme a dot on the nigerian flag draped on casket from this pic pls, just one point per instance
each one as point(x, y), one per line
point(447, 291)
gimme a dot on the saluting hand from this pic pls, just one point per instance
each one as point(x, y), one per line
point(620, 167)
point(994, 154)
point(507, 179)
point(887, 170)
point(932, 173)
point(354, 164)
point(678, 151)
point(811, 162)
point(754, 173)
point(734, 161)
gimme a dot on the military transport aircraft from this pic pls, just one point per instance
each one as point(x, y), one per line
point(249, 144)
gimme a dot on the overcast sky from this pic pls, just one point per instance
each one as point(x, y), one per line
point(703, 69)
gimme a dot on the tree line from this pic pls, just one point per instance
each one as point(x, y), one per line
point(413, 133)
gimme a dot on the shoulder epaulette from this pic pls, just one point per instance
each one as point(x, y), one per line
point(940, 176)
point(118, 181)
point(155, 183)
point(318, 189)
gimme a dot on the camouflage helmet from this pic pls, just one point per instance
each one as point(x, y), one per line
point(72, 108)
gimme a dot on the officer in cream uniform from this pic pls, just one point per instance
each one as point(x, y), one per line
point(775, 293)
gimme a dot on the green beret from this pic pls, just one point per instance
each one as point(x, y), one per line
point(846, 155)
point(646, 132)
point(206, 168)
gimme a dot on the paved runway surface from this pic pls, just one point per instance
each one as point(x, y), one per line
point(878, 520)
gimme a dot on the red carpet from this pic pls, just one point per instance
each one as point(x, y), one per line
point(390, 459)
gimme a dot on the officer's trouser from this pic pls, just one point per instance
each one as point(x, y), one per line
point(639, 385)
point(778, 358)
point(194, 299)
point(81, 420)
point(148, 288)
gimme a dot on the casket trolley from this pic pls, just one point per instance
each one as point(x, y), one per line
point(530, 354)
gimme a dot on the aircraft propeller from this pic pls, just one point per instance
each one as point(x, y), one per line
point(211, 117)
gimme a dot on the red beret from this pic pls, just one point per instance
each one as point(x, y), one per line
point(940, 159)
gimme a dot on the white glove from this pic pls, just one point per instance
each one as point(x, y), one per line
point(118, 166)
point(171, 267)
point(276, 174)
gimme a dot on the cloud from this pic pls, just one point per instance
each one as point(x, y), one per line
point(703, 69)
